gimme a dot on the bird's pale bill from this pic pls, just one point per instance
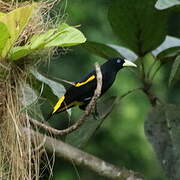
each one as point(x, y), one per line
point(129, 63)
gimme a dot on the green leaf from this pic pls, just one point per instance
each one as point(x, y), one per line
point(81, 136)
point(137, 24)
point(101, 50)
point(125, 52)
point(66, 36)
point(62, 36)
point(169, 54)
point(38, 41)
point(169, 42)
point(56, 88)
point(2, 14)
point(15, 22)
point(174, 69)
point(62, 27)
point(19, 52)
point(162, 127)
point(4, 36)
point(49, 91)
point(164, 4)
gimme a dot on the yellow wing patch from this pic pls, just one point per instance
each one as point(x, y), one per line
point(58, 104)
point(75, 103)
point(85, 82)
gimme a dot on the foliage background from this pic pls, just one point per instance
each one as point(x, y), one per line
point(121, 139)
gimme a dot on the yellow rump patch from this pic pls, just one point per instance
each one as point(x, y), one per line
point(75, 103)
point(85, 82)
point(58, 104)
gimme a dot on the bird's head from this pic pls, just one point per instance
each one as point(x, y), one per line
point(118, 63)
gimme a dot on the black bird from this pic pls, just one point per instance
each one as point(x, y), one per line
point(82, 91)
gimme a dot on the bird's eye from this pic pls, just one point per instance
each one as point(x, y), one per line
point(118, 61)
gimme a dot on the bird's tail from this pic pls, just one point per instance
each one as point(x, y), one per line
point(48, 116)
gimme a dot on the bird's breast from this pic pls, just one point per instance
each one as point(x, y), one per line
point(107, 81)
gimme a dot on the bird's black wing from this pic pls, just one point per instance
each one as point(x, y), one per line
point(77, 94)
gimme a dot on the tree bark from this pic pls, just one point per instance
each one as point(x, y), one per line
point(84, 159)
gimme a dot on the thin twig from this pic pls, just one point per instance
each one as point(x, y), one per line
point(88, 109)
point(129, 92)
point(84, 159)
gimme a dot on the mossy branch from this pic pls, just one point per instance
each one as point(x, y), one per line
point(84, 159)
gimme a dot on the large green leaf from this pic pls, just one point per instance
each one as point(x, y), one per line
point(49, 90)
point(15, 22)
point(19, 52)
point(174, 69)
point(101, 50)
point(62, 36)
point(169, 54)
point(2, 14)
point(4, 35)
point(125, 52)
point(80, 137)
point(38, 41)
point(168, 50)
point(108, 51)
point(138, 25)
point(162, 127)
point(164, 4)
point(66, 36)
point(169, 42)
point(56, 88)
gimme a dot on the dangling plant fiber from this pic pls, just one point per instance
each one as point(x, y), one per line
point(20, 153)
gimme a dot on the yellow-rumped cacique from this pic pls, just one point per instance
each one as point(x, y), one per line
point(82, 91)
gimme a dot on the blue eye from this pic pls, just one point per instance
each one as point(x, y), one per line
point(118, 61)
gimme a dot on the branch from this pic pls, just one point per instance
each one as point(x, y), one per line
point(152, 98)
point(88, 109)
point(84, 159)
point(147, 90)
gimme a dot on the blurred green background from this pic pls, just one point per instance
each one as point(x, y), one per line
point(121, 139)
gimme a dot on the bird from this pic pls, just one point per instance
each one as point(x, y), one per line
point(81, 92)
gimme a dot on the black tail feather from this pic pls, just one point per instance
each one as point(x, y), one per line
point(48, 116)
